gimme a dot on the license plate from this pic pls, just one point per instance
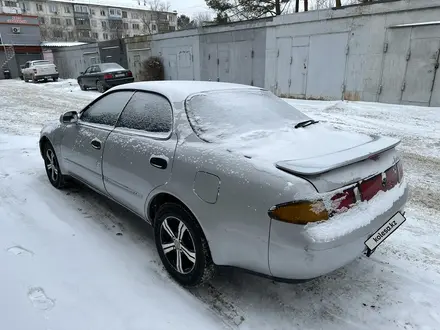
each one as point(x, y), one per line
point(386, 230)
point(119, 75)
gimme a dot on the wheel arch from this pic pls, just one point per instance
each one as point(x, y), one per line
point(43, 140)
point(162, 198)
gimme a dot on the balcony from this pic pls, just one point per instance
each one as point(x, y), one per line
point(11, 10)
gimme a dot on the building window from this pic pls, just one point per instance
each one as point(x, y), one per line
point(41, 20)
point(124, 14)
point(57, 34)
point(95, 35)
point(105, 36)
point(102, 12)
point(94, 23)
point(135, 15)
point(77, 8)
point(125, 26)
point(40, 7)
point(25, 6)
point(67, 9)
point(55, 20)
point(118, 12)
point(10, 4)
point(84, 9)
point(68, 21)
point(136, 26)
point(53, 8)
point(154, 27)
point(111, 11)
point(104, 24)
point(70, 34)
point(81, 21)
point(84, 34)
point(92, 12)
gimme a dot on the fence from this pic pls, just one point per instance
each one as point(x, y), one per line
point(386, 52)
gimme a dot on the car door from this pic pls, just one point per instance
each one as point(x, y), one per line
point(84, 77)
point(26, 69)
point(139, 152)
point(95, 75)
point(83, 142)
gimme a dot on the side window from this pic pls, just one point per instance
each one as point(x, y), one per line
point(107, 109)
point(87, 70)
point(147, 112)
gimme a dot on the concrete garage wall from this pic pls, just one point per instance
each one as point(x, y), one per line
point(357, 53)
point(70, 61)
point(138, 49)
point(180, 52)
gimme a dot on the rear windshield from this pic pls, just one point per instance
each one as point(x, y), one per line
point(105, 67)
point(41, 63)
point(220, 115)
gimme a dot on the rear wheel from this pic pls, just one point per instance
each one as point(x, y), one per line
point(55, 79)
point(56, 178)
point(34, 79)
point(182, 246)
point(100, 86)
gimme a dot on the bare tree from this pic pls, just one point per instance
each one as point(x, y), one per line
point(201, 19)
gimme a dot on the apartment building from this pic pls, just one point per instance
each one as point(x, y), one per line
point(92, 20)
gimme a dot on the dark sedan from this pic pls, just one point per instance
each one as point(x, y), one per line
point(104, 76)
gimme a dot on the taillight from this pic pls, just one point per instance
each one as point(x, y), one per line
point(129, 74)
point(300, 213)
point(108, 76)
point(344, 200)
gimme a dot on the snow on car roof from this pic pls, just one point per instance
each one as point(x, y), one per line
point(178, 91)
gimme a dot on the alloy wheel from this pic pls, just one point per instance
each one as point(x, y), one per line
point(178, 245)
point(52, 165)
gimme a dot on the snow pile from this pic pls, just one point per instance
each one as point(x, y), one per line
point(360, 215)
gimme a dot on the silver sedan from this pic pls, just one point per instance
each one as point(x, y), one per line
point(231, 175)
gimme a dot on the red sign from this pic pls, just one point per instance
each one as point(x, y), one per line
point(17, 20)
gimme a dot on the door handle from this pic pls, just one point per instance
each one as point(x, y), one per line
point(96, 144)
point(159, 162)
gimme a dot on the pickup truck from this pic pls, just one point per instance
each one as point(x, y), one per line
point(39, 70)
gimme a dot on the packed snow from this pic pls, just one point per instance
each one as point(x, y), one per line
point(73, 260)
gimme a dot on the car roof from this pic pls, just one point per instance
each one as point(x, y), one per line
point(179, 90)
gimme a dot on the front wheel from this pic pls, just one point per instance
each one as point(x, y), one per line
point(182, 246)
point(53, 171)
point(100, 86)
point(82, 86)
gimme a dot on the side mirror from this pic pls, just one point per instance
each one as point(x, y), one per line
point(81, 73)
point(70, 117)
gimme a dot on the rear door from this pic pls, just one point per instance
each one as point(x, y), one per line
point(83, 143)
point(139, 152)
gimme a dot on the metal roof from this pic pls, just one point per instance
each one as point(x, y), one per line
point(61, 43)
point(416, 24)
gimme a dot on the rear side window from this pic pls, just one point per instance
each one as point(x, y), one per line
point(107, 109)
point(147, 112)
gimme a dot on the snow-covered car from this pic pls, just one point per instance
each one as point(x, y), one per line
point(39, 70)
point(232, 175)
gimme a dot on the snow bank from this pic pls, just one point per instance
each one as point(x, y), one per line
point(360, 215)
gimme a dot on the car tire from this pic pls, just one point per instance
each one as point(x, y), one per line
point(182, 246)
point(56, 178)
point(34, 80)
point(82, 86)
point(100, 86)
point(55, 79)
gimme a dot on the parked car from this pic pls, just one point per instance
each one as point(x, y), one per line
point(39, 70)
point(104, 76)
point(232, 175)
point(20, 74)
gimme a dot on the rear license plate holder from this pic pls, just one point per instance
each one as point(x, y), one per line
point(384, 232)
point(119, 75)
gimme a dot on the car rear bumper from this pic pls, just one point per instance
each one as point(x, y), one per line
point(47, 76)
point(118, 81)
point(294, 257)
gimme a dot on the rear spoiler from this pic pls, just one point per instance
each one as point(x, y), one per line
point(321, 164)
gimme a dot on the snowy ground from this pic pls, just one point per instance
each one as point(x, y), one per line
point(74, 260)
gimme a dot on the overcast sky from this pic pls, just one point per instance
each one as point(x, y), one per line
point(188, 7)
